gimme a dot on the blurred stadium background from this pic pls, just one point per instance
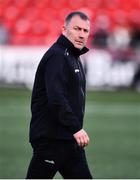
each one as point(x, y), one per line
point(27, 29)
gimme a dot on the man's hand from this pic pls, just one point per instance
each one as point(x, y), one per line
point(81, 138)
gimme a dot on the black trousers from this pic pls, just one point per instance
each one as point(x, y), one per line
point(66, 157)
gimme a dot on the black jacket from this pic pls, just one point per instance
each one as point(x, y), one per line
point(58, 97)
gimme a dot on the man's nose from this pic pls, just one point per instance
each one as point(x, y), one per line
point(81, 34)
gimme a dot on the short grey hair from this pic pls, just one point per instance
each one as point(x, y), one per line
point(76, 13)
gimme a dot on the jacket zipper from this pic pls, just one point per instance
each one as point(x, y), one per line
point(82, 78)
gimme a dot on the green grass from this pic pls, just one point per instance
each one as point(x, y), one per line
point(112, 120)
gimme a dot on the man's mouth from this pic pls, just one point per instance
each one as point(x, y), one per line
point(79, 42)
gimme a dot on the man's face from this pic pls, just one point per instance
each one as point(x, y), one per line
point(77, 31)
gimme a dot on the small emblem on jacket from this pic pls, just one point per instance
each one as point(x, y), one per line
point(66, 53)
point(49, 161)
point(76, 70)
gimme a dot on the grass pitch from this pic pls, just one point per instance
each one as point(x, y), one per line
point(112, 120)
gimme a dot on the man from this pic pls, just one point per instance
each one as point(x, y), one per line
point(58, 104)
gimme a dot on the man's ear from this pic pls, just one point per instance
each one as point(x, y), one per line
point(64, 30)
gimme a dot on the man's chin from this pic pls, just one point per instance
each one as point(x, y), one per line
point(78, 47)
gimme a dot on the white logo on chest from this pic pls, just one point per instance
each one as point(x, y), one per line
point(77, 70)
point(49, 161)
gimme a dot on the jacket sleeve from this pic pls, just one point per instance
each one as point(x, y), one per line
point(56, 79)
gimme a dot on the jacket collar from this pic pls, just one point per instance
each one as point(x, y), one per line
point(69, 46)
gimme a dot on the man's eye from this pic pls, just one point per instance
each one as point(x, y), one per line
point(86, 31)
point(76, 28)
